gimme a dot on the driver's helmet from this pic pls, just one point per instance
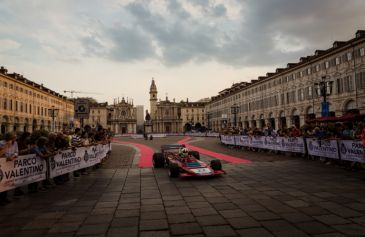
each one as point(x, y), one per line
point(183, 152)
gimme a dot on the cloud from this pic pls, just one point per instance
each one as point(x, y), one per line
point(175, 32)
point(8, 44)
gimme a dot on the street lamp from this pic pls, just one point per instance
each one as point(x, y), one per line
point(208, 117)
point(324, 88)
point(235, 111)
point(53, 113)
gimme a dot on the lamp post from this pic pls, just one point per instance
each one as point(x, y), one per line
point(235, 111)
point(324, 88)
point(53, 112)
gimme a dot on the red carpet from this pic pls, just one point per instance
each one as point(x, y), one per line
point(216, 155)
point(146, 153)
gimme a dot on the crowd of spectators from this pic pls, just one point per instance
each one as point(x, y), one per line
point(46, 144)
point(339, 130)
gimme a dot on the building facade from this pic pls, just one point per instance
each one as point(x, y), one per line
point(291, 95)
point(140, 118)
point(193, 115)
point(98, 115)
point(174, 117)
point(28, 106)
point(122, 117)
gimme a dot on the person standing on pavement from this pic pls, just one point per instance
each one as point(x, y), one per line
point(9, 148)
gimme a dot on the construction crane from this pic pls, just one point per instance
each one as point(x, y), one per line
point(72, 92)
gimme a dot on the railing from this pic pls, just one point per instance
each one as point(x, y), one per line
point(350, 150)
point(31, 168)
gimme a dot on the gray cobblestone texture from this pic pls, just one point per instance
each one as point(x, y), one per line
point(274, 195)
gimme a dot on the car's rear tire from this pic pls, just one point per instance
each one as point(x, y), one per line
point(195, 154)
point(158, 160)
point(216, 164)
point(174, 170)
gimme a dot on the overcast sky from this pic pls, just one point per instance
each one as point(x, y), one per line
point(193, 48)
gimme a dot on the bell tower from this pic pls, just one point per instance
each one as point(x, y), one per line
point(153, 99)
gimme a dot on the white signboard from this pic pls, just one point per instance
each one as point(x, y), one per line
point(324, 148)
point(352, 150)
point(21, 171)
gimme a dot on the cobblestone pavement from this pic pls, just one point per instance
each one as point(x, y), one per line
point(272, 196)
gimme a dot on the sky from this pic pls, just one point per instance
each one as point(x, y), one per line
point(192, 48)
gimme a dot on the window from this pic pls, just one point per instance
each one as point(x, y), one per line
point(348, 84)
point(317, 68)
point(349, 56)
point(327, 64)
point(360, 80)
point(11, 86)
point(309, 71)
point(338, 60)
point(11, 104)
point(339, 86)
point(16, 105)
point(5, 104)
point(362, 52)
point(309, 92)
point(5, 84)
point(21, 106)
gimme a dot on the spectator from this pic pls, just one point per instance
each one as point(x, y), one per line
point(10, 151)
point(41, 151)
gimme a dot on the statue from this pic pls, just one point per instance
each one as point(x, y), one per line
point(148, 116)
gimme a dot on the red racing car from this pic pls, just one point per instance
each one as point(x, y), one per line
point(185, 163)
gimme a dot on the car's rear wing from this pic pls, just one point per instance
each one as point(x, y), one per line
point(171, 147)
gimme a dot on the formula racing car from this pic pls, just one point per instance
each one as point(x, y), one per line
point(184, 163)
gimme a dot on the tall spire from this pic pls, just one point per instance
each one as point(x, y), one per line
point(153, 87)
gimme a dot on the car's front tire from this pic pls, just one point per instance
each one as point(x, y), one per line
point(158, 160)
point(216, 165)
point(174, 170)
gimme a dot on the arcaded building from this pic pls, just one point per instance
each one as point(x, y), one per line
point(28, 106)
point(291, 95)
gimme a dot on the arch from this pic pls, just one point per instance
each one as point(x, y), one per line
point(295, 112)
point(262, 116)
point(349, 105)
point(282, 114)
point(271, 115)
point(309, 110)
point(16, 124)
point(34, 124)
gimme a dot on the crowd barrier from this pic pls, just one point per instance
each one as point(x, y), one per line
point(162, 135)
point(350, 150)
point(30, 168)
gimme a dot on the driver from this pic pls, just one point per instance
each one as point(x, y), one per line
point(184, 153)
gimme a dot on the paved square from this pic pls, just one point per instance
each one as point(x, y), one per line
point(274, 195)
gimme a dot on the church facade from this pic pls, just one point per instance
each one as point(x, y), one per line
point(122, 117)
point(174, 117)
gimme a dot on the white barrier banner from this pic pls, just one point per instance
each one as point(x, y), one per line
point(243, 141)
point(229, 140)
point(21, 171)
point(70, 160)
point(257, 142)
point(158, 135)
point(273, 143)
point(292, 144)
point(324, 148)
point(352, 150)
point(65, 162)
